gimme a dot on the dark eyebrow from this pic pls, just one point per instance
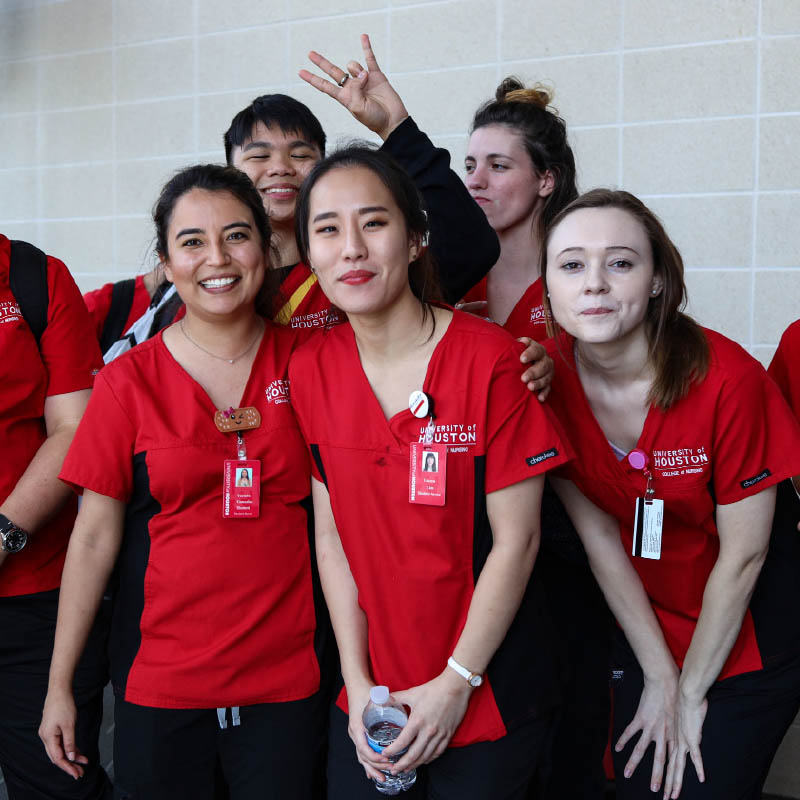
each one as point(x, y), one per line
point(612, 247)
point(257, 144)
point(622, 247)
point(364, 210)
point(191, 231)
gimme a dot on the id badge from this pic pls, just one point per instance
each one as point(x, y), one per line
point(427, 474)
point(647, 528)
point(241, 489)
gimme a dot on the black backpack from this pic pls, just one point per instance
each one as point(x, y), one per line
point(27, 279)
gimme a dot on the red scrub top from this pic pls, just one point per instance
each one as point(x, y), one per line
point(416, 565)
point(785, 366)
point(527, 318)
point(99, 304)
point(730, 437)
point(64, 361)
point(210, 612)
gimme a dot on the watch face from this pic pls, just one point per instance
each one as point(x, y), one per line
point(475, 680)
point(14, 540)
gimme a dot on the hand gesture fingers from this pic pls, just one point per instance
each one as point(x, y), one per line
point(367, 95)
point(328, 67)
point(354, 68)
point(369, 56)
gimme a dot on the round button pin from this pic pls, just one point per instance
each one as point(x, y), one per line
point(418, 404)
point(637, 458)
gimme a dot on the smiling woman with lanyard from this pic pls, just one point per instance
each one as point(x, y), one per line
point(217, 639)
point(425, 573)
point(682, 438)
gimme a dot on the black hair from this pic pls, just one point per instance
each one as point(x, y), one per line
point(280, 110)
point(216, 178)
point(422, 276)
point(543, 133)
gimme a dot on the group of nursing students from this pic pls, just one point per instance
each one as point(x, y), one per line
point(664, 441)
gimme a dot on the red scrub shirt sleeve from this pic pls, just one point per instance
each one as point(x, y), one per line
point(756, 438)
point(68, 345)
point(101, 455)
point(523, 438)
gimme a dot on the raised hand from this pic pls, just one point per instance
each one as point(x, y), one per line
point(365, 93)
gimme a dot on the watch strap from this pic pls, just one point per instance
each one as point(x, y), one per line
point(469, 677)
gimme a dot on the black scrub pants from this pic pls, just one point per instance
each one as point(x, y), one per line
point(27, 628)
point(499, 770)
point(276, 751)
point(747, 718)
point(585, 627)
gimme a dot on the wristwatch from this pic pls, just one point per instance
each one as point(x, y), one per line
point(12, 538)
point(474, 679)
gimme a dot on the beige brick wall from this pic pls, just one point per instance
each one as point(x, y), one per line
point(693, 105)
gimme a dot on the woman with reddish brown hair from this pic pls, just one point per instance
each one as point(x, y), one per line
point(682, 441)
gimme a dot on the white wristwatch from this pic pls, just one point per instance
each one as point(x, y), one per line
point(474, 679)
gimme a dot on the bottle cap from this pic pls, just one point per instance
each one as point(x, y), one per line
point(379, 695)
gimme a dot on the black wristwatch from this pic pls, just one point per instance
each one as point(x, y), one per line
point(12, 538)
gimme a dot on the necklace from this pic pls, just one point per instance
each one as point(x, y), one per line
point(214, 355)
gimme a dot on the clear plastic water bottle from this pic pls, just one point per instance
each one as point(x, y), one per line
point(384, 718)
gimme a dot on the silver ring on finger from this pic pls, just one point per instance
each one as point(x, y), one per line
point(343, 81)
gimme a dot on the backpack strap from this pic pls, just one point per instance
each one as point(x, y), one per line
point(27, 278)
point(121, 303)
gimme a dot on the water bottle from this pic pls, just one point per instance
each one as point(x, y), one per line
point(384, 718)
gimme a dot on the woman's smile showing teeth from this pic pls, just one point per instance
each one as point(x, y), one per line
point(219, 283)
point(280, 191)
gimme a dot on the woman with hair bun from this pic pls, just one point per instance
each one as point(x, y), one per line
point(682, 442)
point(521, 171)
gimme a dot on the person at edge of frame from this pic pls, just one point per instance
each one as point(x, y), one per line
point(46, 386)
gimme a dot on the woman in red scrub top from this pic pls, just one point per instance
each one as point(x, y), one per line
point(217, 639)
point(683, 439)
point(426, 574)
point(521, 171)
